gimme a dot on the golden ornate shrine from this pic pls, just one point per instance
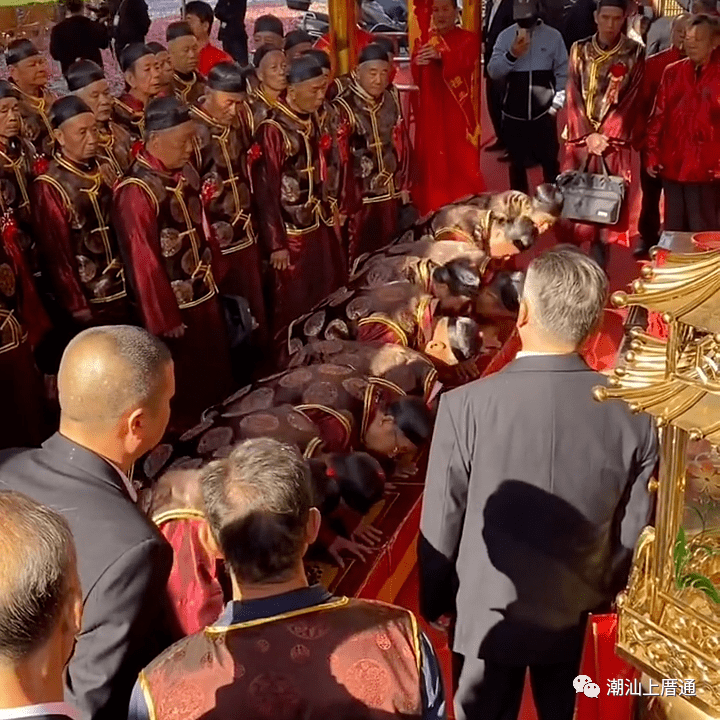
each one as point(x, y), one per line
point(669, 615)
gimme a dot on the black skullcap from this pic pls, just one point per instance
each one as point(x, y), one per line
point(156, 47)
point(386, 43)
point(8, 90)
point(297, 37)
point(164, 113)
point(622, 4)
point(321, 56)
point(83, 73)
point(18, 50)
point(303, 68)
point(269, 23)
point(227, 77)
point(371, 52)
point(66, 108)
point(176, 30)
point(132, 53)
point(260, 53)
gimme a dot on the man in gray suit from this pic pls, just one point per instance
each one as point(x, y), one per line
point(535, 495)
point(115, 385)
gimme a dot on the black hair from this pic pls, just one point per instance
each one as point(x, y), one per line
point(465, 338)
point(261, 52)
point(156, 47)
point(622, 4)
point(202, 11)
point(413, 419)
point(227, 77)
point(521, 232)
point(509, 286)
point(18, 50)
point(178, 29)
point(360, 479)
point(325, 488)
point(371, 52)
point(269, 23)
point(706, 20)
point(548, 199)
point(83, 73)
point(386, 43)
point(164, 113)
point(321, 56)
point(66, 108)
point(8, 90)
point(131, 53)
point(74, 6)
point(303, 68)
point(297, 37)
point(461, 277)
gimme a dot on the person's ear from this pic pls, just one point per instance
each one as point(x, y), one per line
point(523, 314)
point(13, 73)
point(312, 528)
point(59, 136)
point(136, 423)
point(129, 78)
point(596, 14)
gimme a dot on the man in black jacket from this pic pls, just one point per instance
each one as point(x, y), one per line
point(131, 21)
point(232, 33)
point(536, 494)
point(78, 37)
point(498, 16)
point(115, 384)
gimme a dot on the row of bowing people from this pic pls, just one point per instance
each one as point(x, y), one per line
point(360, 408)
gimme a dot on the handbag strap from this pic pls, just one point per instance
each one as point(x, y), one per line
point(603, 164)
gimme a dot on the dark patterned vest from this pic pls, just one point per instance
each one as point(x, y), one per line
point(186, 254)
point(87, 197)
point(129, 113)
point(260, 106)
point(115, 147)
point(371, 140)
point(188, 88)
point(221, 156)
point(301, 194)
point(15, 169)
point(401, 306)
point(12, 331)
point(346, 658)
point(35, 121)
point(294, 406)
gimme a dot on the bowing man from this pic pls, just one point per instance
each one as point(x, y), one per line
point(158, 217)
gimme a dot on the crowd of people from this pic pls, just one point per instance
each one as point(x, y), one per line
point(239, 299)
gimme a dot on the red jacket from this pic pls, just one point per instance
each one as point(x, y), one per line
point(209, 57)
point(683, 135)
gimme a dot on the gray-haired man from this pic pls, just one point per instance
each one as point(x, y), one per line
point(535, 496)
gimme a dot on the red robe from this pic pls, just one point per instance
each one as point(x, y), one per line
point(317, 260)
point(447, 146)
point(203, 374)
point(603, 96)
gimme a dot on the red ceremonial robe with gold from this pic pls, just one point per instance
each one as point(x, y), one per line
point(157, 215)
point(447, 144)
point(294, 215)
point(603, 96)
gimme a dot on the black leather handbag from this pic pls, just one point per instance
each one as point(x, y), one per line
point(592, 197)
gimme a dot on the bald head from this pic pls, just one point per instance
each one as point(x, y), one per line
point(107, 372)
point(37, 561)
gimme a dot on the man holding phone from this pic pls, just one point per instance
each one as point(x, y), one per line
point(531, 58)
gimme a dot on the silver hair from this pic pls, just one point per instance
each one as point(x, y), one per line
point(36, 557)
point(566, 292)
